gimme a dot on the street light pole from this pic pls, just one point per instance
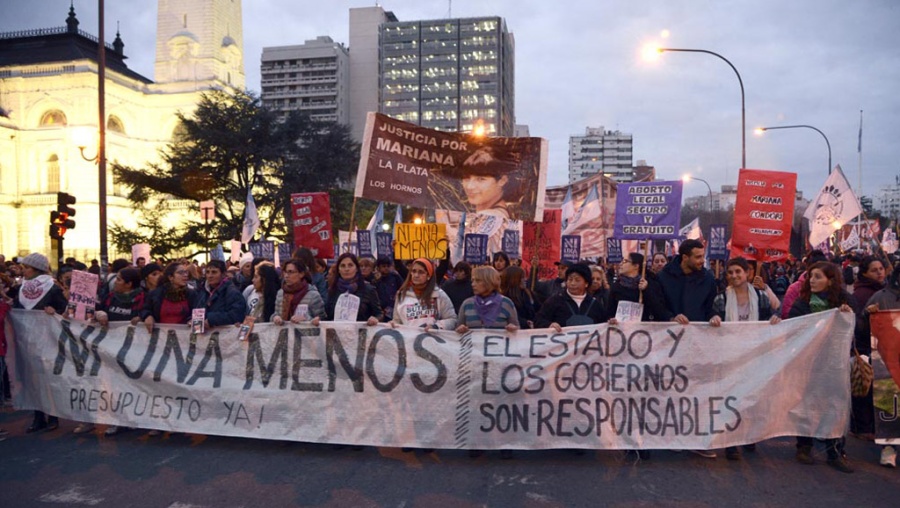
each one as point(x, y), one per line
point(740, 81)
point(101, 152)
point(763, 129)
point(688, 178)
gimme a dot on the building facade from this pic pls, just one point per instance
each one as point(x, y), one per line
point(887, 200)
point(49, 94)
point(448, 74)
point(312, 77)
point(601, 151)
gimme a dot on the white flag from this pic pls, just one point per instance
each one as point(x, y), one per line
point(589, 211)
point(251, 219)
point(835, 206)
point(691, 231)
point(568, 208)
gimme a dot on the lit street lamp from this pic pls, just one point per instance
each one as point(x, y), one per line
point(761, 130)
point(688, 178)
point(740, 81)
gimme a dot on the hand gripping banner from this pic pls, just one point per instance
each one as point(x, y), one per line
point(641, 385)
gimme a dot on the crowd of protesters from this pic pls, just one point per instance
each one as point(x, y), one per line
point(499, 294)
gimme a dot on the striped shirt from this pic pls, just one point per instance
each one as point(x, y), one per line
point(469, 316)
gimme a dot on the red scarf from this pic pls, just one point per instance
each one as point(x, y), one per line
point(292, 297)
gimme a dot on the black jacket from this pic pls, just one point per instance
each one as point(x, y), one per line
point(225, 305)
point(369, 305)
point(654, 301)
point(689, 294)
point(560, 307)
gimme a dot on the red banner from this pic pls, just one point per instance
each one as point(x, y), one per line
point(763, 214)
point(545, 246)
point(311, 218)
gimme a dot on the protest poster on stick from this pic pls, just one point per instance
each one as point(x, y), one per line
point(416, 166)
point(510, 244)
point(544, 246)
point(420, 241)
point(385, 244)
point(703, 388)
point(311, 220)
point(570, 249)
point(763, 214)
point(364, 242)
point(82, 295)
point(475, 252)
point(613, 250)
point(648, 210)
point(718, 244)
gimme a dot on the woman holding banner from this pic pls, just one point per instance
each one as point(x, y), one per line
point(346, 279)
point(741, 301)
point(297, 300)
point(574, 306)
point(264, 290)
point(420, 303)
point(630, 286)
point(512, 285)
point(822, 290)
point(870, 280)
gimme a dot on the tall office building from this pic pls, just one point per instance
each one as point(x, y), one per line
point(448, 74)
point(601, 151)
point(365, 24)
point(312, 77)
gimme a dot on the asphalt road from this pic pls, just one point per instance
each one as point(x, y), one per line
point(191, 471)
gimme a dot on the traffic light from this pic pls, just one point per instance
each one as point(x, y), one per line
point(59, 219)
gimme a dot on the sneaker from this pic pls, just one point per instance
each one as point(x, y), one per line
point(112, 430)
point(803, 455)
point(733, 454)
point(83, 428)
point(840, 464)
point(706, 454)
point(888, 457)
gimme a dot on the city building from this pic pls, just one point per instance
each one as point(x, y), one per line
point(49, 94)
point(887, 200)
point(446, 74)
point(643, 172)
point(312, 77)
point(601, 151)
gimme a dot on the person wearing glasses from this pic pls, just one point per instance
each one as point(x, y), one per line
point(173, 301)
point(629, 287)
point(298, 300)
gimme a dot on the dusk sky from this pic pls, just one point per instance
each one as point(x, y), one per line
point(578, 64)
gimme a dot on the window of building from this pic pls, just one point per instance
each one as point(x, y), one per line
point(53, 118)
point(114, 124)
point(52, 174)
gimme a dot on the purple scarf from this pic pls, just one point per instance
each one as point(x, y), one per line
point(488, 308)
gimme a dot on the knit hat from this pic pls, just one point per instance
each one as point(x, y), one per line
point(427, 265)
point(580, 269)
point(37, 261)
point(150, 268)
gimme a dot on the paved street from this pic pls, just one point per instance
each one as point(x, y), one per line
point(134, 469)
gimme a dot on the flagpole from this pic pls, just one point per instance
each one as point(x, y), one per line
point(351, 228)
point(859, 157)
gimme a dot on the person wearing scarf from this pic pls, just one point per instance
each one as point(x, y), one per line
point(822, 290)
point(419, 302)
point(741, 301)
point(630, 285)
point(487, 308)
point(126, 300)
point(39, 291)
point(173, 301)
point(347, 278)
point(296, 291)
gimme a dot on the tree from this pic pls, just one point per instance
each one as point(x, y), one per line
point(230, 144)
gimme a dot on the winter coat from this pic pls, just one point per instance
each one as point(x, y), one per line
point(369, 306)
point(560, 307)
point(225, 305)
point(439, 313)
point(691, 294)
point(654, 301)
point(154, 299)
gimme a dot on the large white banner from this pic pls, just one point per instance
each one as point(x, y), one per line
point(639, 385)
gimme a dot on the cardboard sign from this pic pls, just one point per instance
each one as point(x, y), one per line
point(510, 243)
point(364, 242)
point(763, 214)
point(198, 321)
point(629, 312)
point(263, 250)
point(140, 250)
point(717, 249)
point(475, 252)
point(246, 328)
point(311, 219)
point(83, 295)
point(420, 241)
point(544, 246)
point(613, 250)
point(649, 210)
point(346, 308)
point(570, 249)
point(385, 244)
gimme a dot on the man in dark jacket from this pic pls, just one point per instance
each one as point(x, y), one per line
point(460, 286)
point(689, 288)
point(389, 281)
point(224, 303)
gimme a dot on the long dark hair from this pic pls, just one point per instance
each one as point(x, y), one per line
point(271, 285)
point(835, 290)
point(336, 274)
point(864, 266)
point(511, 285)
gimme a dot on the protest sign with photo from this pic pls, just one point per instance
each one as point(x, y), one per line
point(763, 214)
point(541, 241)
point(416, 166)
point(311, 220)
point(83, 295)
point(631, 386)
point(420, 241)
point(648, 210)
